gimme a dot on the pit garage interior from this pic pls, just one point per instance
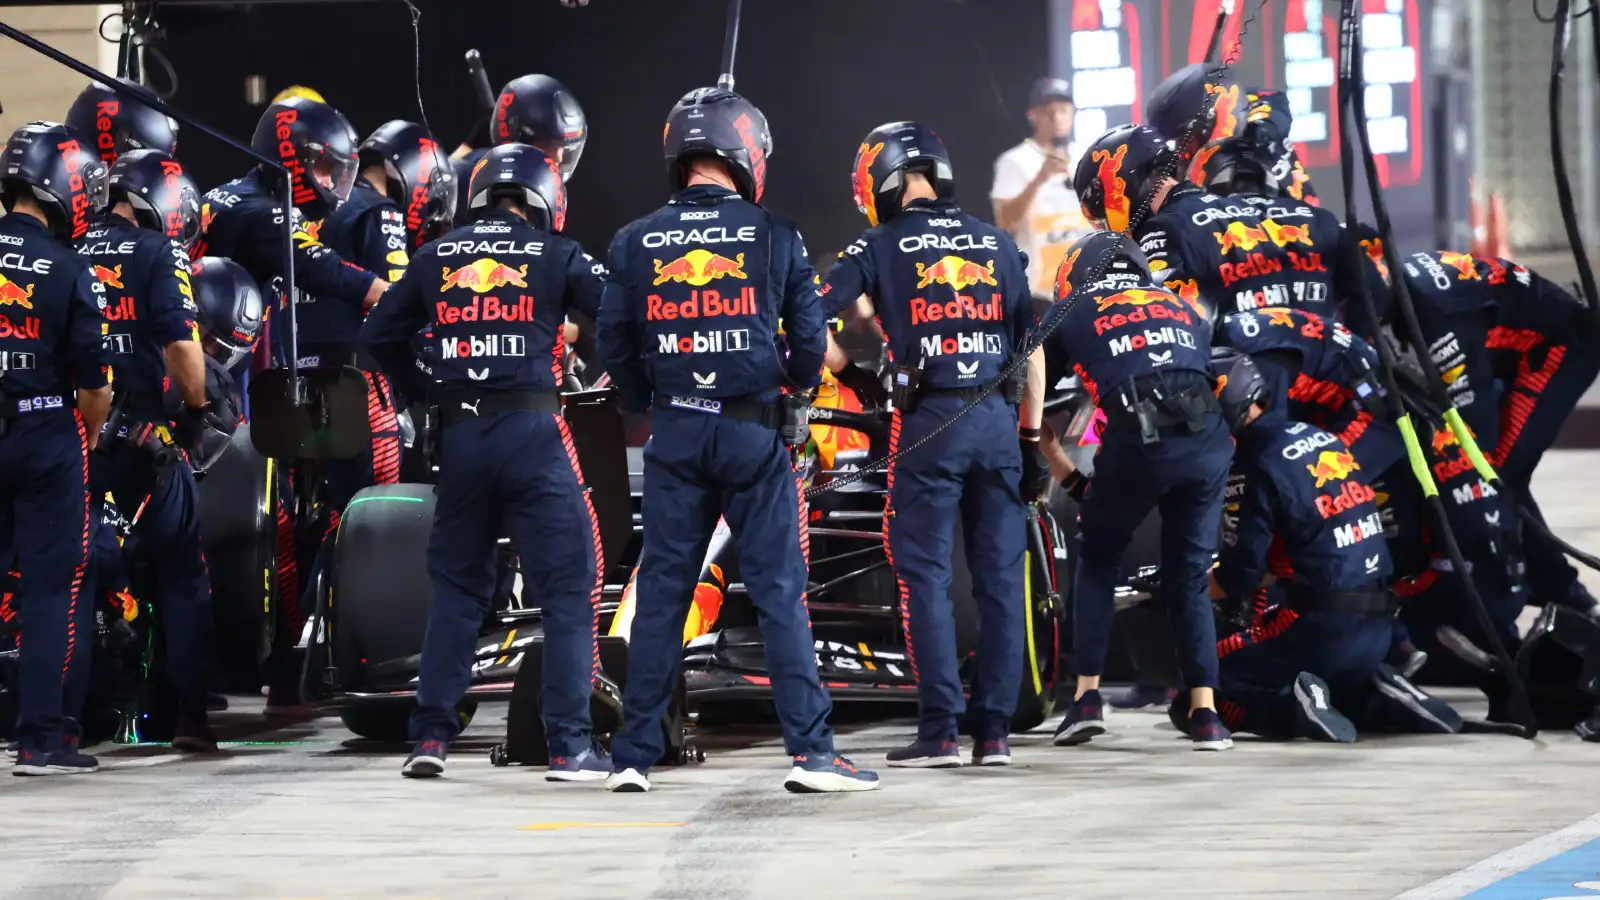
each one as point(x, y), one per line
point(306, 807)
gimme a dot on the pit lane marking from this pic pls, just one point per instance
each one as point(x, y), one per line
point(1573, 852)
point(564, 826)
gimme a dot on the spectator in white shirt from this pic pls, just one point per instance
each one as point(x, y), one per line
point(1032, 194)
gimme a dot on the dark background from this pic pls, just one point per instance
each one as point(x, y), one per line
point(825, 72)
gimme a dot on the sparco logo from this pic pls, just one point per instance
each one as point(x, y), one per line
point(968, 342)
point(698, 404)
point(488, 345)
point(1152, 337)
point(730, 341)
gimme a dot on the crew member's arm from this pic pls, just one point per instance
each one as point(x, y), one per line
point(1247, 528)
point(851, 280)
point(317, 269)
point(618, 342)
point(1019, 300)
point(1361, 260)
point(388, 331)
point(380, 242)
point(170, 300)
point(586, 285)
point(90, 359)
point(805, 327)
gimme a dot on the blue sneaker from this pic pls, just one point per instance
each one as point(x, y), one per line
point(1411, 709)
point(1315, 715)
point(828, 775)
point(926, 754)
point(1085, 719)
point(426, 759)
point(996, 752)
point(1142, 696)
point(1207, 731)
point(34, 761)
point(590, 765)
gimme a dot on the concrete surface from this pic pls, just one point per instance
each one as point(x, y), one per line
point(1135, 814)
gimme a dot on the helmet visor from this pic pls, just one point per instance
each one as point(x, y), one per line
point(571, 152)
point(331, 171)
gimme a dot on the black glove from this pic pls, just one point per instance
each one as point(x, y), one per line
point(193, 422)
point(867, 386)
point(1035, 470)
point(1075, 484)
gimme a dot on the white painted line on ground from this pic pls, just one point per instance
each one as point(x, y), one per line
point(1510, 862)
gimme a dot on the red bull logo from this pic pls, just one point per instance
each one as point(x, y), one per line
point(1138, 297)
point(1226, 107)
point(1239, 236)
point(311, 232)
point(28, 328)
point(1463, 263)
point(11, 292)
point(1332, 465)
point(1115, 187)
point(957, 272)
point(861, 181)
point(1453, 374)
point(1374, 248)
point(1351, 494)
point(1188, 290)
point(1064, 274)
point(699, 267)
point(111, 278)
point(484, 275)
point(1284, 235)
point(1443, 439)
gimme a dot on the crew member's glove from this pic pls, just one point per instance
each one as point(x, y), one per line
point(193, 422)
point(1035, 468)
point(1075, 484)
point(867, 386)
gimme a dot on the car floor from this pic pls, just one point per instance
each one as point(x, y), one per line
point(304, 811)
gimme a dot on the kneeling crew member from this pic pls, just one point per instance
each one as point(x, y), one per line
point(140, 251)
point(51, 346)
point(1145, 357)
point(717, 446)
point(506, 453)
point(953, 324)
point(1311, 665)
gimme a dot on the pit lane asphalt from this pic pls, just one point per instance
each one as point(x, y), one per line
point(1134, 814)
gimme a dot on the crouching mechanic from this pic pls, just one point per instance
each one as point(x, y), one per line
point(1312, 666)
point(952, 295)
point(51, 347)
point(140, 254)
point(1145, 357)
point(690, 327)
point(505, 452)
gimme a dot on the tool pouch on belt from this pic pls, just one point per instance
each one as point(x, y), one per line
point(794, 419)
point(906, 387)
point(1150, 404)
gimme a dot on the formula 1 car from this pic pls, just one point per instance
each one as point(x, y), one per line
point(371, 610)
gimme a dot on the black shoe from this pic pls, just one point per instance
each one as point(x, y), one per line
point(1178, 713)
point(1207, 731)
point(1314, 713)
point(1411, 709)
point(216, 703)
point(426, 759)
point(1085, 719)
point(194, 736)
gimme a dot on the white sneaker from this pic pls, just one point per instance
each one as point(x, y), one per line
point(628, 781)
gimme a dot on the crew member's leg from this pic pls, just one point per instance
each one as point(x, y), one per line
point(1190, 512)
point(680, 513)
point(558, 541)
point(461, 550)
point(994, 526)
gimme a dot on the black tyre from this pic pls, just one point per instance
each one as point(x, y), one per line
point(238, 529)
point(380, 594)
point(1041, 656)
point(387, 722)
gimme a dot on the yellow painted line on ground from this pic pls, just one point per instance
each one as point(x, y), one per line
point(563, 826)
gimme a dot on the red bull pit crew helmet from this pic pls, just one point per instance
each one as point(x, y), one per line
point(318, 147)
point(1119, 173)
point(525, 175)
point(877, 179)
point(1239, 386)
point(164, 198)
point(539, 110)
point(1127, 262)
point(46, 161)
point(420, 178)
point(1233, 165)
point(228, 309)
point(717, 123)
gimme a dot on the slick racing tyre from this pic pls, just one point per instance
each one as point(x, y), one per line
point(238, 531)
point(386, 722)
point(380, 593)
point(1042, 632)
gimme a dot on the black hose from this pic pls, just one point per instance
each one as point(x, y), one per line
point(1558, 157)
point(730, 44)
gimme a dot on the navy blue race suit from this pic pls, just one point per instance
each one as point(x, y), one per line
point(51, 345)
point(1299, 509)
point(243, 220)
point(690, 327)
point(495, 294)
point(1145, 357)
point(1240, 253)
point(952, 295)
point(149, 304)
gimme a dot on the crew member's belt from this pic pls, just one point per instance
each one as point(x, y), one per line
point(966, 394)
point(12, 407)
point(1375, 603)
point(465, 405)
point(745, 408)
point(1151, 403)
